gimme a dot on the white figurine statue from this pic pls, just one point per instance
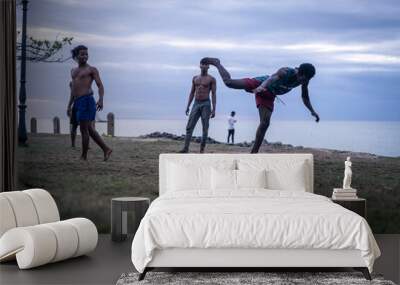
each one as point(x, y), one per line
point(347, 174)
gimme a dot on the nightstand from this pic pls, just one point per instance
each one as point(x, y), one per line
point(358, 206)
point(126, 214)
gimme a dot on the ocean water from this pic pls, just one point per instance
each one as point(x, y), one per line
point(377, 137)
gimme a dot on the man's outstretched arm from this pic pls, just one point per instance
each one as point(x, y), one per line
point(71, 100)
point(213, 97)
point(96, 77)
point(191, 96)
point(306, 101)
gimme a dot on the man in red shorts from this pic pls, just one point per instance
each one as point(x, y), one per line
point(266, 88)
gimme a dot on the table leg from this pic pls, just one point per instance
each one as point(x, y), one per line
point(116, 222)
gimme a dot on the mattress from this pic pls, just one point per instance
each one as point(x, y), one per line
point(251, 219)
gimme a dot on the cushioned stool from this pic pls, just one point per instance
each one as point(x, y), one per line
point(31, 230)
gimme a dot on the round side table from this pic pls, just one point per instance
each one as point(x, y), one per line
point(126, 214)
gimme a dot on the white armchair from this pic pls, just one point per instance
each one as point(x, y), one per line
point(31, 230)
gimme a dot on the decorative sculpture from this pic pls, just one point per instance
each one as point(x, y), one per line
point(347, 174)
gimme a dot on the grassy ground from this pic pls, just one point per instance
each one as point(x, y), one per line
point(86, 188)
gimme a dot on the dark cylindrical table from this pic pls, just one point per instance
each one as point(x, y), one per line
point(126, 214)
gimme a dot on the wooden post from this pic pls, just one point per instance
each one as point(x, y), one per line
point(33, 126)
point(110, 124)
point(56, 125)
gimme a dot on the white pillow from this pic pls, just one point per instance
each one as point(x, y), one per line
point(251, 178)
point(281, 175)
point(223, 179)
point(183, 177)
point(287, 177)
point(189, 175)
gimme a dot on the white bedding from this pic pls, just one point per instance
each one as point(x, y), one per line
point(250, 218)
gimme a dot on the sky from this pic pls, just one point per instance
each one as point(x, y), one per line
point(147, 53)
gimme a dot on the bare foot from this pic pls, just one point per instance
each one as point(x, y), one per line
point(210, 60)
point(107, 154)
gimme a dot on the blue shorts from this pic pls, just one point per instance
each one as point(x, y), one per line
point(85, 108)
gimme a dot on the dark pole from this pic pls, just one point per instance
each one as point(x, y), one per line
point(22, 137)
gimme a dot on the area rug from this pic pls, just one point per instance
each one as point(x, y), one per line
point(244, 278)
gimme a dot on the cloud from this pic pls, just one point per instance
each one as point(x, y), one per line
point(356, 69)
point(42, 101)
point(322, 47)
point(83, 4)
point(203, 43)
point(145, 66)
point(354, 7)
point(124, 65)
point(381, 59)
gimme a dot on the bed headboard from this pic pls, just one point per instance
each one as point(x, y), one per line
point(307, 158)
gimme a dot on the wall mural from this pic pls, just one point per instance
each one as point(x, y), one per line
point(111, 86)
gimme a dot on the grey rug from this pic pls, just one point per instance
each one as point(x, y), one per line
point(243, 278)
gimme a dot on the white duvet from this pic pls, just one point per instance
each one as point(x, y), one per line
point(250, 219)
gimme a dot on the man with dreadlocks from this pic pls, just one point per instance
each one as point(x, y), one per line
point(84, 102)
point(266, 88)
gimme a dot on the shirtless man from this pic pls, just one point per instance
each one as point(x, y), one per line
point(82, 97)
point(266, 88)
point(201, 86)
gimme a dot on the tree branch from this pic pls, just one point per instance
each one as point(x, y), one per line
point(44, 50)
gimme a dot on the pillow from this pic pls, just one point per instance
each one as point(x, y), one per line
point(287, 177)
point(251, 178)
point(188, 177)
point(223, 179)
point(281, 175)
point(193, 174)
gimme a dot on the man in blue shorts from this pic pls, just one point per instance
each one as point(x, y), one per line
point(266, 88)
point(86, 107)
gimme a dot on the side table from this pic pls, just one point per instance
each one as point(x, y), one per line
point(358, 206)
point(126, 214)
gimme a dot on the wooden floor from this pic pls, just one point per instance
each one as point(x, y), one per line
point(103, 266)
point(110, 260)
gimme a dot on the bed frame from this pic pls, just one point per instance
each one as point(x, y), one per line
point(246, 258)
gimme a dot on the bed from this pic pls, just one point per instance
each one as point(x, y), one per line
point(245, 211)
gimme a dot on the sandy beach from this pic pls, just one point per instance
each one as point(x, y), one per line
point(85, 188)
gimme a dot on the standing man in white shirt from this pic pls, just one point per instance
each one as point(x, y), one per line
point(231, 126)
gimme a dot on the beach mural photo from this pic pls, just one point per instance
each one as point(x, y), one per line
point(106, 86)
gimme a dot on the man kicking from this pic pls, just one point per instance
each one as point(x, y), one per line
point(266, 88)
point(202, 85)
point(86, 106)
